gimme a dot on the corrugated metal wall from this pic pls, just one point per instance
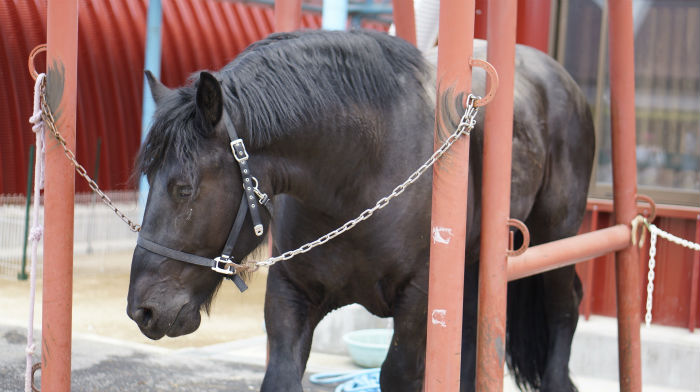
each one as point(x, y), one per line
point(197, 34)
point(22, 26)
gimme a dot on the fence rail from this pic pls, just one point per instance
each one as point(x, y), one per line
point(97, 230)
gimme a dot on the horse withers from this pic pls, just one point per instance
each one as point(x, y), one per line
point(330, 123)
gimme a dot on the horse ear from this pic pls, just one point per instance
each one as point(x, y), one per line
point(210, 101)
point(158, 89)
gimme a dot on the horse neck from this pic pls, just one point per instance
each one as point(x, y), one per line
point(319, 165)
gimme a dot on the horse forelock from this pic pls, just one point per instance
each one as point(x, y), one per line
point(173, 133)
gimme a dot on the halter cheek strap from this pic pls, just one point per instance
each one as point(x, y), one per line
point(249, 182)
point(251, 201)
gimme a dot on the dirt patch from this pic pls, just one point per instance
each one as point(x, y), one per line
point(100, 285)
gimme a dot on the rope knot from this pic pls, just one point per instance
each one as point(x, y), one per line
point(38, 90)
point(36, 233)
point(37, 120)
point(30, 349)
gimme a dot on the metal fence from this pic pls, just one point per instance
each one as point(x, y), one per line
point(96, 228)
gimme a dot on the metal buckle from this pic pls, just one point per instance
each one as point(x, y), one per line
point(228, 265)
point(241, 155)
point(258, 230)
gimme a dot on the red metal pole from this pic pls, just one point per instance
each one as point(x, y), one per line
point(449, 205)
point(622, 115)
point(287, 15)
point(405, 20)
point(495, 198)
point(533, 23)
point(588, 279)
point(480, 19)
point(62, 60)
point(695, 280)
point(567, 251)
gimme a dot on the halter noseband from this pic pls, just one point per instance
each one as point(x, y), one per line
point(251, 201)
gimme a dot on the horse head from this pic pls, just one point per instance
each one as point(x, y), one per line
point(195, 191)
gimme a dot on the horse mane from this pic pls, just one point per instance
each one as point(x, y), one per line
point(311, 77)
point(286, 81)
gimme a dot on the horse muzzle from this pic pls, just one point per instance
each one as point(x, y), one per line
point(171, 322)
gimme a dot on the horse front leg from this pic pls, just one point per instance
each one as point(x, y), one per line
point(290, 320)
point(403, 369)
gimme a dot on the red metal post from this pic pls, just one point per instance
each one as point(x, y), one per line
point(533, 23)
point(588, 278)
point(695, 280)
point(62, 65)
point(449, 205)
point(287, 15)
point(567, 251)
point(498, 137)
point(405, 20)
point(481, 13)
point(622, 115)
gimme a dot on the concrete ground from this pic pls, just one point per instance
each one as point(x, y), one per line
point(110, 354)
point(106, 365)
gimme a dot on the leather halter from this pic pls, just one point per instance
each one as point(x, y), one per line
point(251, 201)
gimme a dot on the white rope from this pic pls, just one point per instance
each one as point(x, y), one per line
point(654, 231)
point(37, 229)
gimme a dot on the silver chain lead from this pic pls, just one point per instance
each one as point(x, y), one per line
point(51, 123)
point(465, 127)
point(650, 276)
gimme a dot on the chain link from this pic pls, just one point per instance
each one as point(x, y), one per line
point(654, 231)
point(650, 276)
point(50, 122)
point(465, 127)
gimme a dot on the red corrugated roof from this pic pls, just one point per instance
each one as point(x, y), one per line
point(197, 34)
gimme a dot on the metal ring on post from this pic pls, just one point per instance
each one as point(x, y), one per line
point(37, 49)
point(526, 237)
point(652, 206)
point(35, 367)
point(492, 77)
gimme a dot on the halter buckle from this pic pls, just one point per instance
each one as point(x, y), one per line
point(239, 151)
point(228, 265)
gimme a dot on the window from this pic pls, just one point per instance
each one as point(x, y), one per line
point(667, 80)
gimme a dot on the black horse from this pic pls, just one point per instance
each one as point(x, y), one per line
point(332, 121)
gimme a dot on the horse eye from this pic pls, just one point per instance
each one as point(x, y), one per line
point(184, 191)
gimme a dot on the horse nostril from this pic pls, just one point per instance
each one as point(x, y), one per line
point(143, 317)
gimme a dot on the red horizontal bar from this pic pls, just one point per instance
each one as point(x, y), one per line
point(556, 254)
point(662, 210)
